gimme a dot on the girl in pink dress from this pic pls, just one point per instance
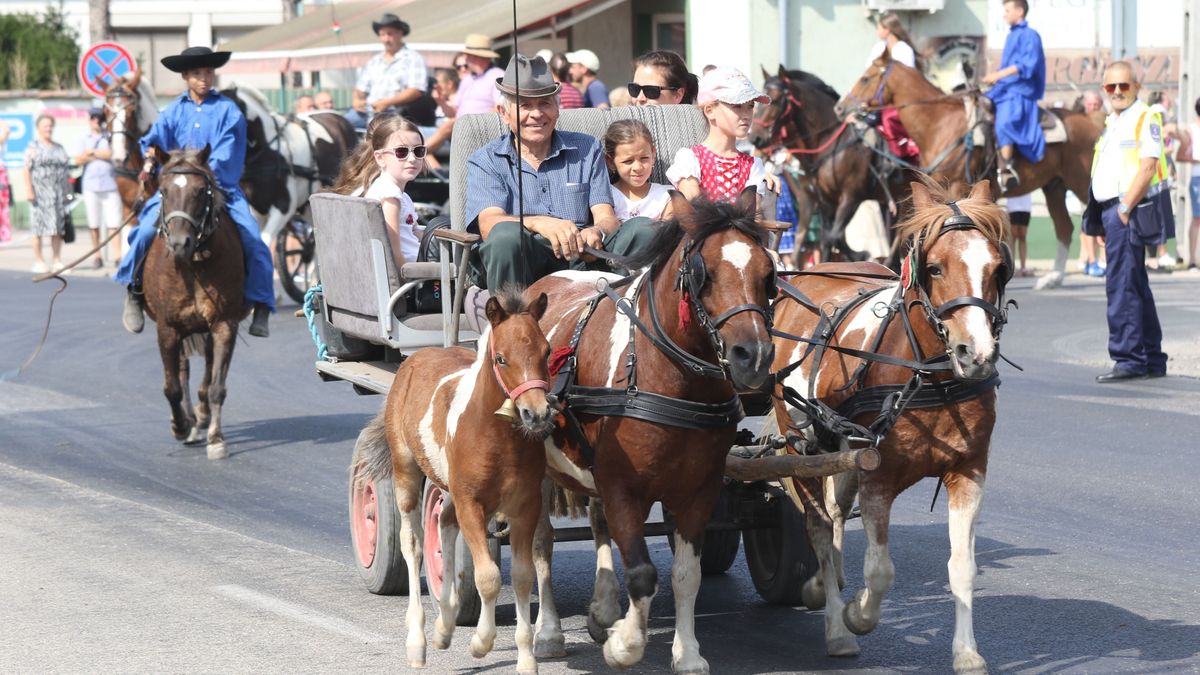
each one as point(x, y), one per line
point(5, 188)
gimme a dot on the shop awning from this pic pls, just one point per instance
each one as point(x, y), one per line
point(310, 43)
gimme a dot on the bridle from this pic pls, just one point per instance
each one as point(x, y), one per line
point(516, 391)
point(205, 225)
point(779, 126)
point(876, 101)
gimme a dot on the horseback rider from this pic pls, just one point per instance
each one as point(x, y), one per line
point(201, 116)
point(1018, 85)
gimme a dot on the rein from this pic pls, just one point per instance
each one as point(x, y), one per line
point(205, 225)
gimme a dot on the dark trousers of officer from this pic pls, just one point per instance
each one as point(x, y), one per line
point(1134, 334)
point(502, 258)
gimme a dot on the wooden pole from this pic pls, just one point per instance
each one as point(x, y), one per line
point(800, 466)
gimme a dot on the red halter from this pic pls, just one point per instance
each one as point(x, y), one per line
point(519, 389)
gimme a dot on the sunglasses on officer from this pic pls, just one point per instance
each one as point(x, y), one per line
point(1114, 86)
point(401, 152)
point(652, 91)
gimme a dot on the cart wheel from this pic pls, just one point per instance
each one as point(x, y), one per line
point(469, 604)
point(720, 546)
point(375, 536)
point(780, 559)
point(296, 259)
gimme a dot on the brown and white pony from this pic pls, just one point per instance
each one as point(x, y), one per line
point(193, 279)
point(938, 123)
point(953, 298)
point(129, 111)
point(718, 250)
point(442, 423)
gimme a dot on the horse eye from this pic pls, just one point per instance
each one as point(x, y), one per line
point(500, 360)
point(933, 271)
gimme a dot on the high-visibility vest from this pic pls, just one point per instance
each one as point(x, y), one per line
point(1130, 161)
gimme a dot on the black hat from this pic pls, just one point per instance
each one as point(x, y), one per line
point(195, 57)
point(390, 20)
point(533, 75)
point(96, 113)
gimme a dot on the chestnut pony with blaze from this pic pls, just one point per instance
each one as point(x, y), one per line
point(948, 440)
point(129, 110)
point(441, 423)
point(718, 250)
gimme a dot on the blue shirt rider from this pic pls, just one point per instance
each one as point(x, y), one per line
point(200, 116)
point(1019, 84)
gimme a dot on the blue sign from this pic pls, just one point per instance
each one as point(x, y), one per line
point(20, 133)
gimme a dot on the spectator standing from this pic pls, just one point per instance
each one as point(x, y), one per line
point(661, 77)
point(445, 87)
point(893, 38)
point(323, 100)
point(392, 80)
point(584, 66)
point(570, 97)
point(5, 187)
point(47, 168)
point(1189, 153)
point(303, 104)
point(1159, 261)
point(100, 196)
point(1019, 212)
point(1128, 172)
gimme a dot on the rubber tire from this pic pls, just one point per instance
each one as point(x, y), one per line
point(469, 603)
point(781, 559)
point(387, 574)
point(720, 546)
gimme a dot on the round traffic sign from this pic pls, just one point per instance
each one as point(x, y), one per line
point(104, 62)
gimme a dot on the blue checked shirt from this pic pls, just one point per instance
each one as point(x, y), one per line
point(381, 79)
point(217, 121)
point(570, 181)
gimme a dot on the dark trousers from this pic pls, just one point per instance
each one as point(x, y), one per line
point(1134, 334)
point(501, 259)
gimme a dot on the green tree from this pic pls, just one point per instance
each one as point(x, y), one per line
point(38, 51)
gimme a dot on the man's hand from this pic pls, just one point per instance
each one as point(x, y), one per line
point(563, 236)
point(990, 78)
point(380, 105)
point(592, 236)
point(772, 182)
point(1124, 216)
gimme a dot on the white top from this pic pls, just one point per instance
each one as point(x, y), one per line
point(650, 206)
point(686, 165)
point(1020, 204)
point(1193, 132)
point(1118, 136)
point(901, 52)
point(384, 189)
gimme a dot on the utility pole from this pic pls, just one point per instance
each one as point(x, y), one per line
point(99, 29)
point(1189, 91)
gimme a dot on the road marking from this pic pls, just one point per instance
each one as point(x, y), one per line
point(299, 613)
point(23, 398)
point(1184, 405)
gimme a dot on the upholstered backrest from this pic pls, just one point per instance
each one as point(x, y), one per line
point(673, 127)
point(346, 230)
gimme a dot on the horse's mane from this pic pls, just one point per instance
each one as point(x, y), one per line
point(512, 299)
point(147, 106)
point(808, 80)
point(926, 222)
point(190, 159)
point(708, 218)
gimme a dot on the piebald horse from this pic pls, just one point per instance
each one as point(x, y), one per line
point(700, 333)
point(129, 111)
point(952, 290)
point(938, 123)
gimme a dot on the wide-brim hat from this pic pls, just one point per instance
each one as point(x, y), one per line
point(532, 74)
point(195, 57)
point(390, 20)
point(478, 44)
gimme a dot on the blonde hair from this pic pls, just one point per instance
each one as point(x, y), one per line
point(359, 170)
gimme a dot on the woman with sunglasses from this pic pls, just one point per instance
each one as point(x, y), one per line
point(661, 77)
point(476, 93)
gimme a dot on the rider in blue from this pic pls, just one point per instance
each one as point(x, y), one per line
point(200, 116)
point(1019, 84)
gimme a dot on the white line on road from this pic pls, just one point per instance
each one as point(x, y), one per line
point(299, 613)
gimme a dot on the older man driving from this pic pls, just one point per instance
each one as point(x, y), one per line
point(567, 202)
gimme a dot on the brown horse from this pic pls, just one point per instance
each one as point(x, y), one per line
point(193, 279)
point(443, 422)
point(129, 110)
point(938, 123)
point(944, 313)
point(651, 408)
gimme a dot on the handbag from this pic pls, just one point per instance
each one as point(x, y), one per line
point(68, 234)
point(426, 298)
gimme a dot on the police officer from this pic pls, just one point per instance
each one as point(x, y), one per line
point(1128, 181)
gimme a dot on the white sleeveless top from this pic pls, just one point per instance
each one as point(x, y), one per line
point(650, 206)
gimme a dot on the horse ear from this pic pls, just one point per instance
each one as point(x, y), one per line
point(158, 153)
point(494, 311)
point(538, 308)
point(136, 79)
point(920, 195)
point(748, 200)
point(682, 209)
point(204, 152)
point(982, 190)
point(766, 75)
point(783, 74)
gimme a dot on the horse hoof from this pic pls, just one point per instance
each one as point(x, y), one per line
point(195, 437)
point(1050, 281)
point(700, 667)
point(479, 648)
point(217, 450)
point(970, 663)
point(843, 646)
point(812, 594)
point(620, 656)
point(416, 657)
point(550, 648)
point(855, 622)
point(599, 633)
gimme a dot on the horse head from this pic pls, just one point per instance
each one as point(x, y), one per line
point(958, 266)
point(873, 89)
point(764, 128)
point(191, 202)
point(727, 276)
point(800, 111)
point(519, 353)
point(121, 102)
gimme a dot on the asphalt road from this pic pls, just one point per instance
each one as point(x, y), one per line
point(122, 551)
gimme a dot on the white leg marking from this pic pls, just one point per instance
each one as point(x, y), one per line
point(627, 640)
point(962, 570)
point(410, 546)
point(685, 582)
point(559, 462)
point(862, 615)
point(549, 642)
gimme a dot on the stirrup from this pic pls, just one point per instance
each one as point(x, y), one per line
point(1008, 180)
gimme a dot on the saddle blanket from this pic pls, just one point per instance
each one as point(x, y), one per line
point(1052, 125)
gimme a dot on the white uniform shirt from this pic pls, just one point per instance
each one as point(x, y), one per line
point(1020, 204)
point(1119, 136)
point(902, 52)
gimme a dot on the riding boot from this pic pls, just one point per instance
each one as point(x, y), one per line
point(258, 325)
point(132, 317)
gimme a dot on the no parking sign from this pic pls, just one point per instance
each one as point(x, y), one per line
point(106, 61)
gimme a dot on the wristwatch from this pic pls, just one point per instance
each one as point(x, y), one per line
point(1122, 209)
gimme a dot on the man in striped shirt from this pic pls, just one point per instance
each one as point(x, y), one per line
point(391, 80)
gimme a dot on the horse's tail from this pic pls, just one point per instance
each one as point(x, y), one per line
point(567, 504)
point(372, 454)
point(196, 344)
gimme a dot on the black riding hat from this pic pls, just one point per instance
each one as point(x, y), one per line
point(390, 20)
point(195, 57)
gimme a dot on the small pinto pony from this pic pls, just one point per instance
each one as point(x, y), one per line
point(193, 277)
point(945, 312)
point(442, 422)
point(687, 332)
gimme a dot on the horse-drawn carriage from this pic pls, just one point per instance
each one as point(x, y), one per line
point(935, 359)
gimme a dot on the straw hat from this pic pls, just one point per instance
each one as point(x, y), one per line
point(478, 44)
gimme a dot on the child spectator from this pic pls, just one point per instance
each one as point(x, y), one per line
point(629, 153)
point(1019, 209)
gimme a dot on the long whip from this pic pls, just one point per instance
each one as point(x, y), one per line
point(520, 160)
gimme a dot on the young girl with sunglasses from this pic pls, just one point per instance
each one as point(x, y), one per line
point(716, 169)
point(629, 153)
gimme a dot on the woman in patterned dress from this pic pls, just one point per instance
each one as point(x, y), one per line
point(46, 173)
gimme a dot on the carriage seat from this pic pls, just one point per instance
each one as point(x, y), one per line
point(364, 290)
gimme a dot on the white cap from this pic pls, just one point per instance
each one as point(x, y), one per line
point(585, 57)
point(546, 54)
point(728, 85)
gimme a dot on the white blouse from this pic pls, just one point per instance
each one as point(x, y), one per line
point(383, 189)
point(686, 165)
point(650, 206)
point(901, 52)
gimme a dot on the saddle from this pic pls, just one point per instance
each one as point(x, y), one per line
point(981, 113)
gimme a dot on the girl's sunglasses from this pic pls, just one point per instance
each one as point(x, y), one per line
point(401, 152)
point(1123, 86)
point(652, 91)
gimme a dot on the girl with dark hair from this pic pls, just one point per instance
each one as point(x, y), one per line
point(661, 77)
point(894, 37)
point(629, 153)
